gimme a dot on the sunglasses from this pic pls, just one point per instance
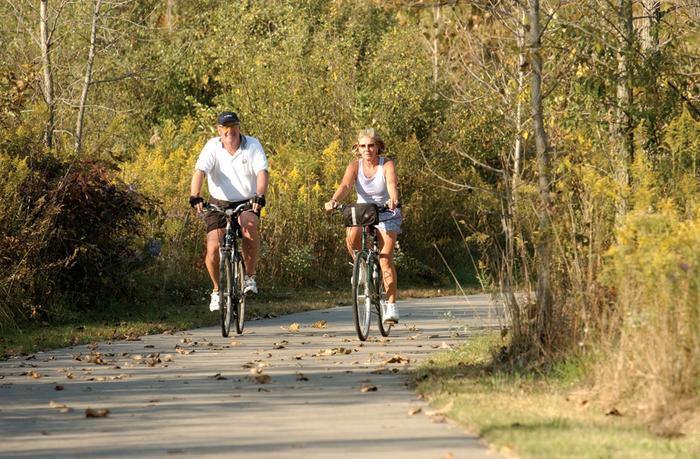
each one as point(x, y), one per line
point(227, 129)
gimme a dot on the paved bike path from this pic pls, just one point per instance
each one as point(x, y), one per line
point(283, 389)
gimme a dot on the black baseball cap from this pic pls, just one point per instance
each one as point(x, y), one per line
point(228, 118)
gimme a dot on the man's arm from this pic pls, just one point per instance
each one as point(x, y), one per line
point(196, 188)
point(262, 180)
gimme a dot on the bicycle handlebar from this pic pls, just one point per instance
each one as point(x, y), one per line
point(210, 207)
point(383, 208)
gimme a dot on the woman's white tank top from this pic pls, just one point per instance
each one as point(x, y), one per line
point(372, 189)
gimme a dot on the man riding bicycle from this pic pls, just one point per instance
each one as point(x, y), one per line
point(236, 169)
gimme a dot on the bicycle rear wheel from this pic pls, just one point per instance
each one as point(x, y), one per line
point(361, 301)
point(380, 297)
point(239, 297)
point(225, 292)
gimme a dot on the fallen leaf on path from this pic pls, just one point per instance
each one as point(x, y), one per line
point(433, 336)
point(60, 407)
point(319, 324)
point(218, 377)
point(440, 412)
point(167, 358)
point(613, 412)
point(396, 359)
point(294, 327)
point(281, 345)
point(414, 411)
point(301, 377)
point(300, 356)
point(96, 413)
point(184, 351)
point(186, 340)
point(152, 359)
point(333, 351)
point(58, 387)
point(34, 374)
point(368, 388)
point(262, 379)
point(235, 343)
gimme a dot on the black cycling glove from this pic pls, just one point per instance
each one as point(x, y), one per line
point(194, 200)
point(259, 199)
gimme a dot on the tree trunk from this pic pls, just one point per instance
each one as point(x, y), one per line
point(87, 81)
point(623, 126)
point(45, 40)
point(543, 249)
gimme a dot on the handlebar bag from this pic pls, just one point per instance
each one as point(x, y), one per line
point(361, 214)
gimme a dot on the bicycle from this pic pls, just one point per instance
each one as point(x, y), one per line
point(368, 293)
point(231, 270)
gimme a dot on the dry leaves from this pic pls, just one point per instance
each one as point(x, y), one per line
point(34, 374)
point(262, 379)
point(60, 407)
point(96, 413)
point(333, 351)
point(218, 377)
point(184, 351)
point(301, 377)
point(397, 359)
point(319, 324)
point(414, 411)
point(294, 327)
point(368, 388)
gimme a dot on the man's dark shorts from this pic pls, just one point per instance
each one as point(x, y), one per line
point(215, 220)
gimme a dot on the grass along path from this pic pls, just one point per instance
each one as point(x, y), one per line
point(536, 417)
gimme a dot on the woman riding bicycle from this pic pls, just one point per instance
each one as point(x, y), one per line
point(375, 181)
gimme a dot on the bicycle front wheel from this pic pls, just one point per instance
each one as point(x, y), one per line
point(361, 300)
point(380, 299)
point(239, 297)
point(225, 293)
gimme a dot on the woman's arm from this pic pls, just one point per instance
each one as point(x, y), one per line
point(345, 186)
point(391, 181)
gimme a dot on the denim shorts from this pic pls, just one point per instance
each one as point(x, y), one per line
point(390, 221)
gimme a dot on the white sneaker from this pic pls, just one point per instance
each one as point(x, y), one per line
point(249, 284)
point(214, 303)
point(391, 314)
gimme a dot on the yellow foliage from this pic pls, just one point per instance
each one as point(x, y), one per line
point(15, 172)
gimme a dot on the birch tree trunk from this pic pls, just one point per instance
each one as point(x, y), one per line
point(543, 247)
point(45, 40)
point(87, 80)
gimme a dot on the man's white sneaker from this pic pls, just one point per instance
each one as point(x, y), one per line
point(391, 314)
point(214, 303)
point(250, 285)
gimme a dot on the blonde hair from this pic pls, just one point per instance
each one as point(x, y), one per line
point(372, 134)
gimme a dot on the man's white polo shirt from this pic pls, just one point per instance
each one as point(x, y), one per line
point(232, 177)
